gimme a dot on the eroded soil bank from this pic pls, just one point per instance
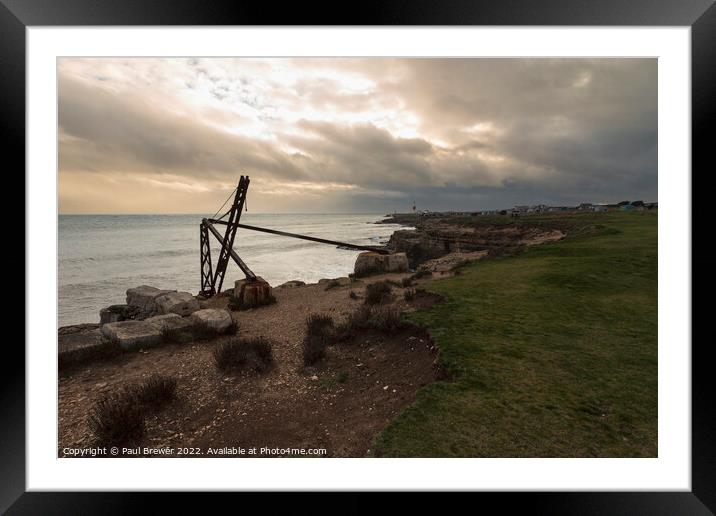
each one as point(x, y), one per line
point(339, 405)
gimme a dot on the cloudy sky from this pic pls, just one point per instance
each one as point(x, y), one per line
point(354, 135)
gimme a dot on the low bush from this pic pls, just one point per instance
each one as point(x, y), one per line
point(117, 419)
point(254, 354)
point(314, 348)
point(155, 391)
point(318, 324)
point(387, 319)
point(377, 293)
point(406, 282)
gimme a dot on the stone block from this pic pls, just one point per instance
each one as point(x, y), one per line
point(144, 298)
point(116, 313)
point(132, 334)
point(369, 263)
point(180, 303)
point(253, 293)
point(217, 319)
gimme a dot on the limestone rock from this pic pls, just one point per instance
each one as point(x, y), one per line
point(249, 294)
point(132, 334)
point(116, 313)
point(78, 343)
point(181, 303)
point(373, 263)
point(144, 298)
point(173, 326)
point(292, 284)
point(215, 318)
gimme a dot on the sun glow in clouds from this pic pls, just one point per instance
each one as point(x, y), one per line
point(338, 131)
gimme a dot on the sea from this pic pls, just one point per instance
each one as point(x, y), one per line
point(101, 256)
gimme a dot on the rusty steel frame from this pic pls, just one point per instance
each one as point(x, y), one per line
point(212, 280)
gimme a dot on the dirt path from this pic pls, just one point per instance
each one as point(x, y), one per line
point(339, 405)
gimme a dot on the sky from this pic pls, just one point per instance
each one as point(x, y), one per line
point(354, 135)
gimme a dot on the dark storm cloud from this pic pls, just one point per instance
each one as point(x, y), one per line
point(449, 133)
point(112, 133)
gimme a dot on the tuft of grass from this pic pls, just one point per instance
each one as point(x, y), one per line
point(117, 419)
point(255, 354)
point(406, 282)
point(314, 348)
point(155, 391)
point(342, 377)
point(387, 319)
point(552, 352)
point(377, 293)
point(409, 295)
point(318, 324)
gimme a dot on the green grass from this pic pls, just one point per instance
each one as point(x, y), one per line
point(551, 353)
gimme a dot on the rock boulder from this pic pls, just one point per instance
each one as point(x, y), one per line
point(173, 327)
point(116, 313)
point(180, 303)
point(292, 284)
point(373, 263)
point(144, 297)
point(132, 334)
point(217, 319)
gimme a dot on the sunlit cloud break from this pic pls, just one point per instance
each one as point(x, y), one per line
point(354, 135)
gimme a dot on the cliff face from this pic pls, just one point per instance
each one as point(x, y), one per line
point(437, 237)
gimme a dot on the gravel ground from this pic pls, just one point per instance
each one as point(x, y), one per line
point(339, 405)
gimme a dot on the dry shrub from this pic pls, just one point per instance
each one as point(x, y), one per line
point(255, 354)
point(377, 293)
point(318, 324)
point(119, 418)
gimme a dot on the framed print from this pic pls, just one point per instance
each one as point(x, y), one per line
point(437, 248)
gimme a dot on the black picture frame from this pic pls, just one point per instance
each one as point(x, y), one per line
point(700, 15)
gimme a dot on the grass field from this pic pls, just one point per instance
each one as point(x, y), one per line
point(552, 353)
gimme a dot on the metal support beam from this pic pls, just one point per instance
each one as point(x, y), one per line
point(379, 250)
point(244, 268)
point(227, 243)
point(207, 277)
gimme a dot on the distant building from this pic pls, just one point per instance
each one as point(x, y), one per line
point(599, 207)
point(586, 206)
point(626, 207)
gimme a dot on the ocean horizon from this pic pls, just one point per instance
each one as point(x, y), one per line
point(100, 256)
